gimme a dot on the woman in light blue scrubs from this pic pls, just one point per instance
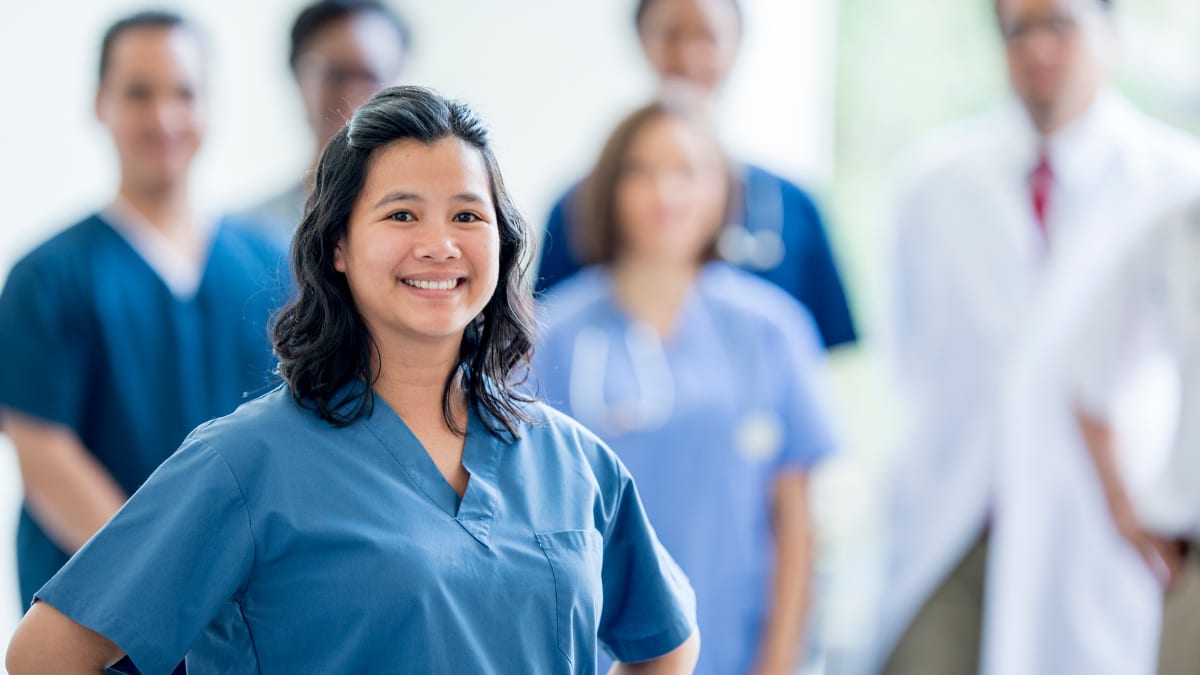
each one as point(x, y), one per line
point(397, 506)
point(702, 377)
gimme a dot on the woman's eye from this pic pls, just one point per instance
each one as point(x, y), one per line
point(466, 218)
point(402, 216)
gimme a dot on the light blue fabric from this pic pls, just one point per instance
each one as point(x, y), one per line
point(741, 355)
point(274, 542)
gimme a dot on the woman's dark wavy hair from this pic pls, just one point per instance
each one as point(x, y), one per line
point(321, 340)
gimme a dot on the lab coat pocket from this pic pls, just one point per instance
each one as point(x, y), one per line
point(576, 559)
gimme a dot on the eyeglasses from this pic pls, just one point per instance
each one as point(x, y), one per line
point(1056, 25)
point(335, 75)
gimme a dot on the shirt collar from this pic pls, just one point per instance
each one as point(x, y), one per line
point(1081, 150)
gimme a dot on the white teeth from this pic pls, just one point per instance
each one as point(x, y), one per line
point(446, 285)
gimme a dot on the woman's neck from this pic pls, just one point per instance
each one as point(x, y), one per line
point(412, 379)
point(653, 291)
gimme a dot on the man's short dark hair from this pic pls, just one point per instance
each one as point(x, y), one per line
point(150, 18)
point(324, 12)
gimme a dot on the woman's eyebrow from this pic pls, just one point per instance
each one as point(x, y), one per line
point(469, 197)
point(399, 196)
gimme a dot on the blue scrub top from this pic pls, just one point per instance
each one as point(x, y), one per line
point(807, 271)
point(275, 542)
point(743, 358)
point(92, 339)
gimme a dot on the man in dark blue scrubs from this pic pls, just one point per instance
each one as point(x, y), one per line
point(126, 330)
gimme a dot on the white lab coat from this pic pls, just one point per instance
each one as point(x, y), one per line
point(1068, 594)
point(970, 271)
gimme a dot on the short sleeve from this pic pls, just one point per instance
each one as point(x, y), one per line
point(44, 345)
point(649, 606)
point(809, 436)
point(821, 288)
point(157, 574)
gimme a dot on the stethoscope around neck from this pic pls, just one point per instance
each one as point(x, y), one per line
point(651, 371)
point(761, 249)
point(758, 435)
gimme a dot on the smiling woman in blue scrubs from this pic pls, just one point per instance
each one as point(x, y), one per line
point(397, 505)
point(702, 377)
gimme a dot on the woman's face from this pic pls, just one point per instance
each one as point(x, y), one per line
point(422, 250)
point(672, 191)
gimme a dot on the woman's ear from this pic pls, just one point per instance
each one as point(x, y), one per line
point(339, 256)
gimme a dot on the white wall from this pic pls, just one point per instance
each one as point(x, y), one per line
point(550, 76)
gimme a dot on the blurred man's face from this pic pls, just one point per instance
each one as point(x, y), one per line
point(343, 65)
point(691, 41)
point(1055, 51)
point(151, 100)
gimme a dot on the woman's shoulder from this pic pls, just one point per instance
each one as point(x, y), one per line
point(259, 427)
point(545, 422)
point(551, 432)
point(751, 299)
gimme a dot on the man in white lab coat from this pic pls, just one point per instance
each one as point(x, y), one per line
point(986, 216)
point(1105, 403)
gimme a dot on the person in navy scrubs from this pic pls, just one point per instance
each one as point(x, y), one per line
point(773, 228)
point(398, 505)
point(127, 329)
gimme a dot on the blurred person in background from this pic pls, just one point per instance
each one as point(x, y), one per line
point(775, 229)
point(704, 379)
point(342, 52)
point(126, 330)
point(986, 216)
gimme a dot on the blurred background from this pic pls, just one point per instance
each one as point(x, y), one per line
point(827, 93)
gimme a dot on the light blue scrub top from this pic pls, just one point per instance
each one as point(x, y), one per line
point(744, 362)
point(274, 542)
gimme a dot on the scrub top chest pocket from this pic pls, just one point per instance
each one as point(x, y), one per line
point(576, 558)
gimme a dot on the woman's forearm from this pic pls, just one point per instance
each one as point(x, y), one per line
point(783, 632)
point(48, 642)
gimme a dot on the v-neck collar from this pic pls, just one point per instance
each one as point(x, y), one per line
point(481, 455)
point(685, 315)
point(181, 275)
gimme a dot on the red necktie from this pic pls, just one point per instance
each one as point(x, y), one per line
point(1040, 183)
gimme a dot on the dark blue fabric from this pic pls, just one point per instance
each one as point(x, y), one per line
point(93, 339)
point(808, 271)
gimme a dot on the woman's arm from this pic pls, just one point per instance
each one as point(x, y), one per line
point(783, 632)
point(48, 642)
point(680, 661)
